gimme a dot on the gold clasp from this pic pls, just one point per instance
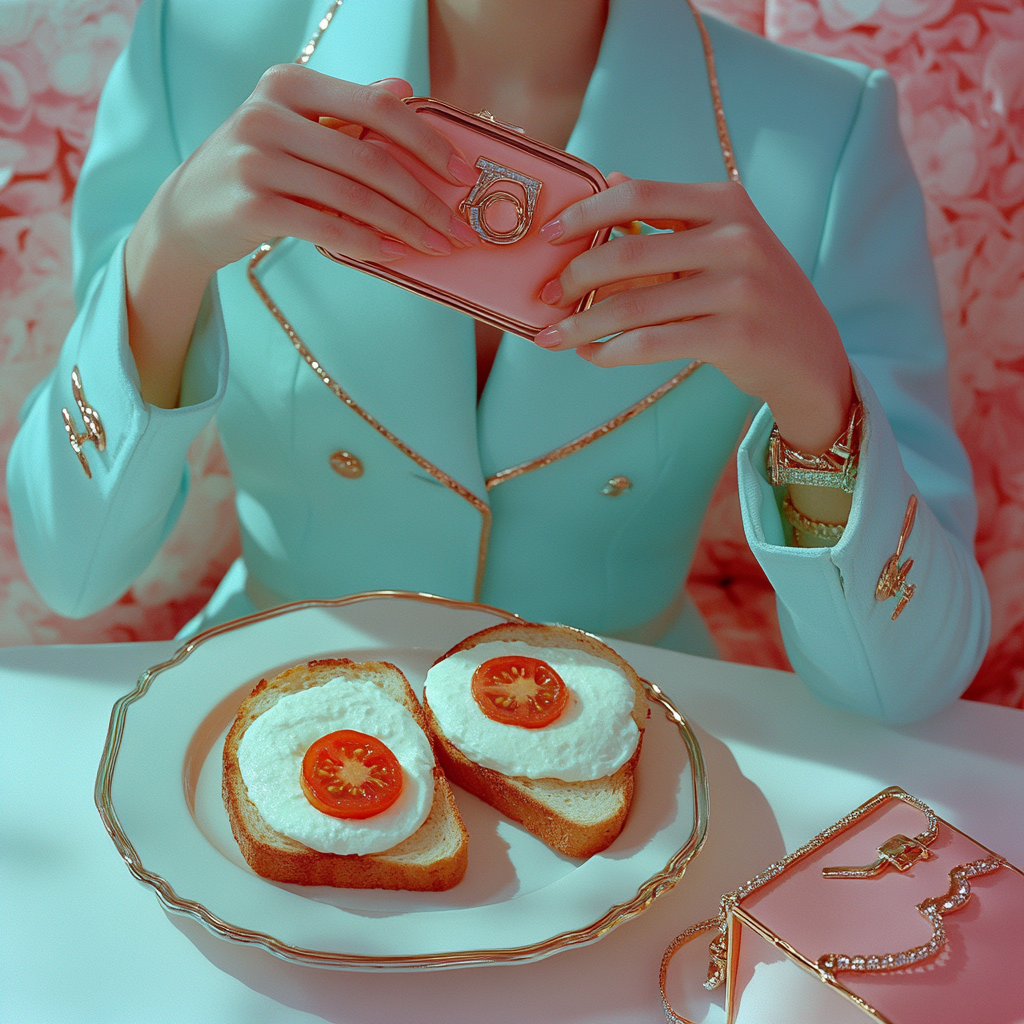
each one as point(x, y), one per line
point(897, 851)
point(92, 426)
point(486, 115)
point(893, 579)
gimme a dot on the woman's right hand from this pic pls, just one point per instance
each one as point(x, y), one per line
point(273, 169)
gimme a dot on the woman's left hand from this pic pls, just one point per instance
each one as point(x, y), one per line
point(728, 292)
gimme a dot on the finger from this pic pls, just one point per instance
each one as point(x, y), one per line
point(690, 205)
point(314, 95)
point(630, 257)
point(345, 195)
point(632, 309)
point(399, 86)
point(336, 234)
point(659, 343)
point(371, 165)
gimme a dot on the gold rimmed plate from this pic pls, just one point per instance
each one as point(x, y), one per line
point(158, 793)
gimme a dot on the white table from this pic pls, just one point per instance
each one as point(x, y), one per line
point(82, 941)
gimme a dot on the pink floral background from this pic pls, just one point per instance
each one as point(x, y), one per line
point(959, 66)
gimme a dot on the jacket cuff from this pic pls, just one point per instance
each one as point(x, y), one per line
point(140, 478)
point(111, 382)
point(840, 639)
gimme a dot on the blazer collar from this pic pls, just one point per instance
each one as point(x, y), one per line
point(647, 113)
point(411, 362)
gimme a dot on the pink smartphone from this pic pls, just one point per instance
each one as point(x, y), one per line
point(522, 184)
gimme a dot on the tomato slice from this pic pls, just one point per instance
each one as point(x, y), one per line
point(348, 774)
point(520, 691)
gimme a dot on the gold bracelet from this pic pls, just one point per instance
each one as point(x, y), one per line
point(813, 527)
point(836, 467)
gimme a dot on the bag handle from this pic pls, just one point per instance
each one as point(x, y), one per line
point(677, 943)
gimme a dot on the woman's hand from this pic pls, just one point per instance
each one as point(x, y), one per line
point(274, 169)
point(728, 292)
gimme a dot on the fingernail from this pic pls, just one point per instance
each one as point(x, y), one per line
point(550, 337)
point(461, 231)
point(438, 244)
point(551, 293)
point(552, 230)
point(392, 250)
point(461, 171)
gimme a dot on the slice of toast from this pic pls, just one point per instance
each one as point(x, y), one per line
point(433, 858)
point(578, 819)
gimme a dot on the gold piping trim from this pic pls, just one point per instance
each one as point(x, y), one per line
point(561, 452)
point(592, 435)
point(438, 474)
point(322, 26)
point(732, 171)
point(728, 153)
point(648, 892)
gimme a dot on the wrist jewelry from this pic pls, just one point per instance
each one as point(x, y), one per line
point(813, 527)
point(835, 468)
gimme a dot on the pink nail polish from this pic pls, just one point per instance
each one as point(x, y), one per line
point(392, 250)
point(461, 171)
point(552, 230)
point(550, 337)
point(462, 232)
point(438, 244)
point(551, 293)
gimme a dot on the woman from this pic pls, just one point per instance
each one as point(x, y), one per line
point(472, 465)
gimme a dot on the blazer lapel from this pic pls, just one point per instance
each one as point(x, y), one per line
point(409, 362)
point(647, 113)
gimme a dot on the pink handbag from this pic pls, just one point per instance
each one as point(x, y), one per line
point(522, 184)
point(898, 913)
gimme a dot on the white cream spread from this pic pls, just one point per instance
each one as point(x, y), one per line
point(270, 760)
point(593, 737)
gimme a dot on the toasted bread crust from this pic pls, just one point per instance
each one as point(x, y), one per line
point(432, 859)
point(528, 801)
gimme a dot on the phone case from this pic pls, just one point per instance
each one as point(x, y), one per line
point(522, 185)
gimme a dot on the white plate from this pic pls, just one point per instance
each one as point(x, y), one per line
point(158, 792)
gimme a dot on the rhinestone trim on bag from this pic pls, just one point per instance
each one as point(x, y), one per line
point(717, 948)
point(933, 909)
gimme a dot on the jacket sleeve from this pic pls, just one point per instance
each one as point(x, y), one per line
point(875, 275)
point(82, 539)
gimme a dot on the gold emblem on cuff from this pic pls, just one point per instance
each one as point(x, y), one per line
point(92, 425)
point(893, 580)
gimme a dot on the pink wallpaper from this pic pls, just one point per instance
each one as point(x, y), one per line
point(959, 65)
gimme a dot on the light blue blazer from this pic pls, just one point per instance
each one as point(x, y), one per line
point(819, 150)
